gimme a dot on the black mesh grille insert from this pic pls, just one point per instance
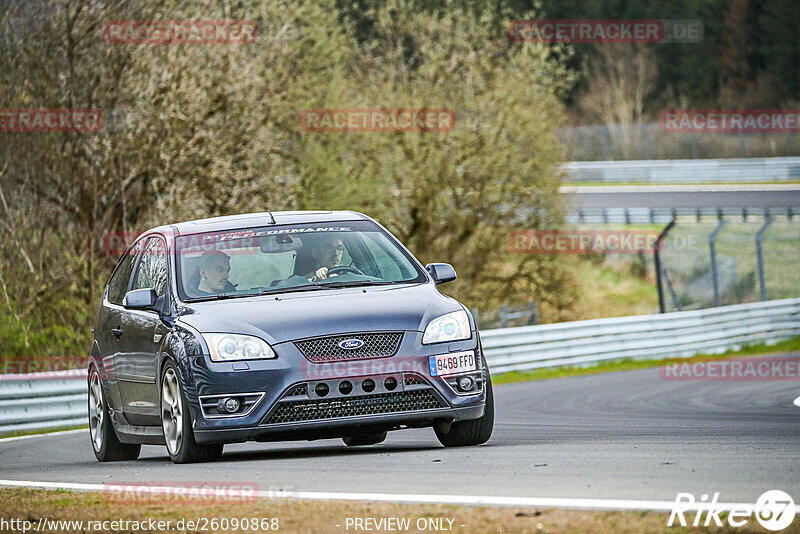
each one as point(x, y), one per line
point(298, 390)
point(403, 401)
point(327, 349)
point(412, 380)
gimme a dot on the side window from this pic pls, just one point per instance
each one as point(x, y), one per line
point(118, 284)
point(386, 267)
point(152, 269)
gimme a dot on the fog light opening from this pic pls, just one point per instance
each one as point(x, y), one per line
point(368, 385)
point(229, 405)
point(345, 387)
point(321, 389)
point(390, 383)
point(466, 383)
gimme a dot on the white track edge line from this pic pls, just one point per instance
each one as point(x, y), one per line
point(44, 434)
point(590, 504)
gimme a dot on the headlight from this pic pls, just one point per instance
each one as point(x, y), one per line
point(449, 327)
point(228, 347)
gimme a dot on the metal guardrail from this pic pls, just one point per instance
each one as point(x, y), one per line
point(35, 401)
point(685, 171)
point(502, 317)
point(39, 400)
point(665, 215)
point(677, 334)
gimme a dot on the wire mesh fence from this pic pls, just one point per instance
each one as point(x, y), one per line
point(724, 262)
point(649, 141)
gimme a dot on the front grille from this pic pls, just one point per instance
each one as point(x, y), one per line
point(327, 349)
point(403, 401)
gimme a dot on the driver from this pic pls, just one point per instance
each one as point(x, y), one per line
point(327, 253)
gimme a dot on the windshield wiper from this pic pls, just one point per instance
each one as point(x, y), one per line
point(290, 289)
point(357, 283)
point(220, 296)
point(269, 291)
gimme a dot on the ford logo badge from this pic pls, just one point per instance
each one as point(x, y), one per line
point(350, 344)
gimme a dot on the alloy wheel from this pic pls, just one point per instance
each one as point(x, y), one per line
point(172, 411)
point(96, 411)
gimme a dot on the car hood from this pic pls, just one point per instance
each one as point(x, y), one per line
point(290, 316)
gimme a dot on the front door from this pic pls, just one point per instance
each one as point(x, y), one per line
point(143, 333)
point(108, 331)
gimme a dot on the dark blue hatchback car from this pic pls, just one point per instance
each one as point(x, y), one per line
point(280, 326)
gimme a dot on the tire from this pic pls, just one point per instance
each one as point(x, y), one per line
point(472, 432)
point(105, 443)
point(364, 439)
point(177, 425)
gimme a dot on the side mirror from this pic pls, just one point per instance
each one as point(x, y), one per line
point(140, 299)
point(441, 272)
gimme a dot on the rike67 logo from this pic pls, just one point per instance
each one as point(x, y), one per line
point(774, 510)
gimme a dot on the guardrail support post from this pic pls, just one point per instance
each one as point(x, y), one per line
point(504, 316)
point(604, 135)
point(712, 246)
point(534, 317)
point(657, 259)
point(760, 256)
point(648, 143)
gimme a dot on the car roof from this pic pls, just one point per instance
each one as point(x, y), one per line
point(246, 220)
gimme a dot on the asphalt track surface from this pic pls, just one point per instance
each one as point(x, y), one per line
point(688, 196)
point(624, 435)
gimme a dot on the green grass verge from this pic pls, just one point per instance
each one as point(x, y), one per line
point(607, 292)
point(40, 431)
point(568, 183)
point(325, 516)
point(628, 364)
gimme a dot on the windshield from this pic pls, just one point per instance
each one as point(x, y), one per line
point(278, 259)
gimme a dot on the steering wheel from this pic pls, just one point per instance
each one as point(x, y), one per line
point(344, 269)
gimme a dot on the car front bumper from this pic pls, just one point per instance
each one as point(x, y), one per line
point(298, 399)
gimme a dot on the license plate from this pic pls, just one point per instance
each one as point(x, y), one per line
point(450, 364)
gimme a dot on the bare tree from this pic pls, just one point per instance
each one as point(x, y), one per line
point(620, 78)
